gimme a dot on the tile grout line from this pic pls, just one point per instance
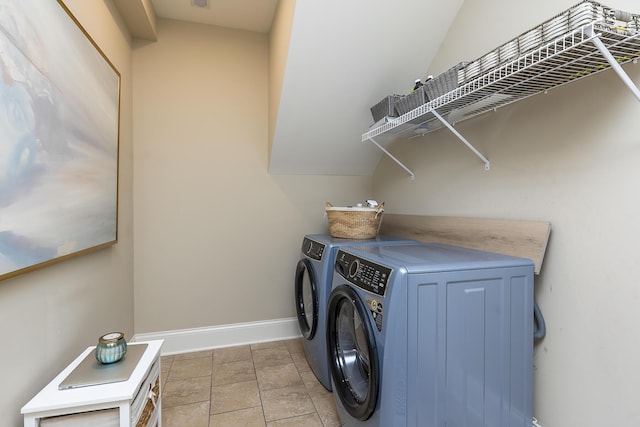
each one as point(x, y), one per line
point(210, 402)
point(255, 373)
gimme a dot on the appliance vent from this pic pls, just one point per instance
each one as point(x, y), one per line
point(200, 3)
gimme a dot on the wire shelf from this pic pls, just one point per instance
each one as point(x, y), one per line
point(568, 58)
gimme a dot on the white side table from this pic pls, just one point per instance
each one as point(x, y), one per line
point(139, 395)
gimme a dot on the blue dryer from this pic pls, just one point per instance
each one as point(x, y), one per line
point(430, 335)
point(312, 285)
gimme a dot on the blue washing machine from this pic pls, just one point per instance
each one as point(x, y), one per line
point(312, 285)
point(431, 335)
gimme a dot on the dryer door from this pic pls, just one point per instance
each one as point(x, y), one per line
point(353, 356)
point(306, 294)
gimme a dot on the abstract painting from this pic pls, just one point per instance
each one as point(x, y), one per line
point(59, 127)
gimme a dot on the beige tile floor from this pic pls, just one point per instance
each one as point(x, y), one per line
point(268, 384)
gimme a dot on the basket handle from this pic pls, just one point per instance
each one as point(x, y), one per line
point(329, 205)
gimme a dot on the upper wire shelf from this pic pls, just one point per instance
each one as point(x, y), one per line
point(580, 53)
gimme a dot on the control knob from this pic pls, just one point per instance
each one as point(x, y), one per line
point(354, 268)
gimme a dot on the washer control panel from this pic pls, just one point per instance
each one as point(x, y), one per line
point(370, 276)
point(313, 249)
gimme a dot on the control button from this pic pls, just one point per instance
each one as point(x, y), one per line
point(354, 267)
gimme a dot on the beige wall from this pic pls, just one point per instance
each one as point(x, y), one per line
point(50, 315)
point(570, 157)
point(217, 238)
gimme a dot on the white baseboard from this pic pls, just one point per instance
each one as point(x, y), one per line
point(196, 339)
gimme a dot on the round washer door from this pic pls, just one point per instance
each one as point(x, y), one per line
point(353, 356)
point(306, 294)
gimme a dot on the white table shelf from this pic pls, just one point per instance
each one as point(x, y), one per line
point(52, 402)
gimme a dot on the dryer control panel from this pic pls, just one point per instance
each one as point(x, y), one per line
point(313, 249)
point(370, 276)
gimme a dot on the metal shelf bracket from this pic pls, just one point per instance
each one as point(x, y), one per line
point(487, 164)
point(616, 66)
point(413, 176)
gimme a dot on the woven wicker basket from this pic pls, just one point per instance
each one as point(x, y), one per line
point(150, 406)
point(444, 82)
point(412, 101)
point(385, 108)
point(354, 222)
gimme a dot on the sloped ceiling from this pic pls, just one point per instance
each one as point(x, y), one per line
point(344, 56)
